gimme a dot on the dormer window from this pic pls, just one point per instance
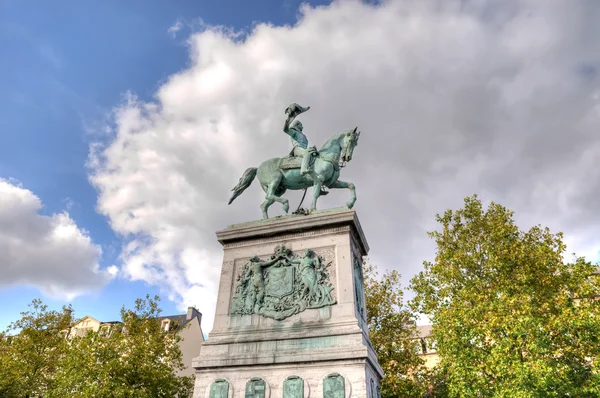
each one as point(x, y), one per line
point(105, 331)
point(165, 325)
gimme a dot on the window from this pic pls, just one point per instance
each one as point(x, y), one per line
point(105, 331)
point(432, 346)
point(165, 325)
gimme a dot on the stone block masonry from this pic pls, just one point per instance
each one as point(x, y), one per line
point(290, 322)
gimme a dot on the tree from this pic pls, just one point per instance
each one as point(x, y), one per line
point(510, 317)
point(138, 360)
point(30, 349)
point(392, 333)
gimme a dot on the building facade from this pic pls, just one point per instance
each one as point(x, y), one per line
point(187, 325)
point(427, 349)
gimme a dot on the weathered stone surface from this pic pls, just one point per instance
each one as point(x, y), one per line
point(282, 286)
point(356, 385)
point(315, 223)
point(310, 344)
point(358, 287)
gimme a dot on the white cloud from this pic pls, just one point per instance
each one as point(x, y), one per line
point(49, 252)
point(68, 203)
point(113, 270)
point(175, 28)
point(452, 97)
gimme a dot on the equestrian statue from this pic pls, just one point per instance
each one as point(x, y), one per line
point(304, 167)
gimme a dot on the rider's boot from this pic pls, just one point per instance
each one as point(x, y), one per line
point(305, 166)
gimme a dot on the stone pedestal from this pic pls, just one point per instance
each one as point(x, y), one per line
point(305, 336)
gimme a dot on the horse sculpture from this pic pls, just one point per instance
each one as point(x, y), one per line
point(280, 174)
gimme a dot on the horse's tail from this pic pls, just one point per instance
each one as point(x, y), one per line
point(244, 183)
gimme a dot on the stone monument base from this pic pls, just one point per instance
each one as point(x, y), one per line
point(291, 322)
point(312, 375)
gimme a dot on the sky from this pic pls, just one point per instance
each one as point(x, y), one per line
point(124, 126)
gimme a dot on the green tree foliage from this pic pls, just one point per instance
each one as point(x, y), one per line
point(510, 317)
point(30, 349)
point(136, 359)
point(392, 333)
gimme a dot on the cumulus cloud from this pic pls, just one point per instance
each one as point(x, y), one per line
point(113, 270)
point(453, 98)
point(49, 252)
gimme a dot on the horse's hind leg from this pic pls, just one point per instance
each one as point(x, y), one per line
point(265, 207)
point(270, 198)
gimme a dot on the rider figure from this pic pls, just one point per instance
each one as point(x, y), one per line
point(299, 140)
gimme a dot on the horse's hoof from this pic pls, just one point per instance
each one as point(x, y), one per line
point(350, 205)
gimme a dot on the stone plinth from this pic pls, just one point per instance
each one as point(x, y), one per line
point(325, 346)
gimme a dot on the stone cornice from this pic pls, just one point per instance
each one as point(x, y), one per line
point(294, 226)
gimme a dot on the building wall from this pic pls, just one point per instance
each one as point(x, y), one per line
point(191, 334)
point(82, 327)
point(426, 346)
point(431, 359)
point(190, 345)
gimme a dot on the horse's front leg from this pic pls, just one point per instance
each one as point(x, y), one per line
point(351, 187)
point(316, 192)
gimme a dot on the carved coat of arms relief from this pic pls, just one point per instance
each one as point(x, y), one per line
point(283, 285)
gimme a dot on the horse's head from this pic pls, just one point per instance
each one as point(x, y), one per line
point(349, 142)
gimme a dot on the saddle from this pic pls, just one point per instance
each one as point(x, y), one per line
point(295, 162)
point(290, 162)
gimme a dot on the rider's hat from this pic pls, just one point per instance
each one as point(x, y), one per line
point(294, 110)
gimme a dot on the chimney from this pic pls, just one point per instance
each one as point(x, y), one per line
point(191, 313)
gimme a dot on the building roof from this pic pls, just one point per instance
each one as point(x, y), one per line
point(179, 319)
point(177, 322)
point(423, 331)
point(87, 317)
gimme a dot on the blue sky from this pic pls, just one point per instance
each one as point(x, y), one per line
point(65, 66)
point(452, 98)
